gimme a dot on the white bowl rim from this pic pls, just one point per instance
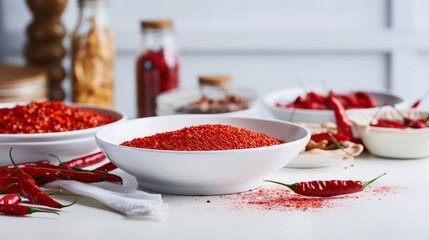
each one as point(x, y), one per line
point(39, 143)
point(266, 148)
point(68, 133)
point(269, 104)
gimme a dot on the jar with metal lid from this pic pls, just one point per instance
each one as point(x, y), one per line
point(157, 67)
point(92, 55)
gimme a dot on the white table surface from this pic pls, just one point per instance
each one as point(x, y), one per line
point(400, 215)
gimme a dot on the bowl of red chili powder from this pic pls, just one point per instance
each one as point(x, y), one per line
point(201, 154)
point(37, 129)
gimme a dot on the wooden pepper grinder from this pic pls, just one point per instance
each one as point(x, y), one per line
point(44, 46)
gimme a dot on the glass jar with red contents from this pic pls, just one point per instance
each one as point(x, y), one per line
point(157, 65)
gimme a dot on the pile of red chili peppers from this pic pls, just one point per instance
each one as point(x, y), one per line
point(24, 179)
point(204, 138)
point(49, 116)
point(344, 127)
point(318, 101)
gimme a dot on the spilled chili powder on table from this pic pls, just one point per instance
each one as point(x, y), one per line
point(47, 117)
point(204, 138)
point(277, 198)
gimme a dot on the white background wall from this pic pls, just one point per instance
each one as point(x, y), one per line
point(266, 45)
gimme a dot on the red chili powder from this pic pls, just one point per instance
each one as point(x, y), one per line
point(278, 198)
point(48, 116)
point(204, 138)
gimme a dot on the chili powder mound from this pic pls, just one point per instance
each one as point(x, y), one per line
point(277, 198)
point(47, 117)
point(204, 138)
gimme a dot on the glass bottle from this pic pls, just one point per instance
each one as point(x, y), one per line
point(92, 56)
point(157, 65)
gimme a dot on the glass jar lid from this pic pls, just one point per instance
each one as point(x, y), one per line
point(156, 24)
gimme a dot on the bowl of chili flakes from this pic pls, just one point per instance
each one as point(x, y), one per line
point(33, 146)
point(201, 172)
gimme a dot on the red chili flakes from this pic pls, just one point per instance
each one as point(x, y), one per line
point(48, 116)
point(204, 138)
point(277, 198)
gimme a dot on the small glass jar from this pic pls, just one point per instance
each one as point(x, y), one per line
point(157, 67)
point(215, 97)
point(92, 56)
point(214, 87)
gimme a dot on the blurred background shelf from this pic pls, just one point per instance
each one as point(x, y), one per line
point(265, 45)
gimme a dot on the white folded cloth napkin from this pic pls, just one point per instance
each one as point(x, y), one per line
point(121, 198)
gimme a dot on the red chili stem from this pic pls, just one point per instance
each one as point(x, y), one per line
point(21, 210)
point(86, 161)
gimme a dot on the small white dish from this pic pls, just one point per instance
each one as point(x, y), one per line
point(319, 116)
point(390, 142)
point(167, 103)
point(200, 172)
point(66, 145)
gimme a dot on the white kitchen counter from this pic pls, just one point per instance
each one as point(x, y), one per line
point(401, 214)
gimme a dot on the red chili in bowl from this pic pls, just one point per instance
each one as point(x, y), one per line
point(47, 117)
point(313, 100)
point(204, 138)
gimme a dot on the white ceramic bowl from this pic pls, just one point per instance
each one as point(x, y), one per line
point(66, 145)
point(167, 103)
point(200, 172)
point(312, 161)
point(319, 116)
point(393, 143)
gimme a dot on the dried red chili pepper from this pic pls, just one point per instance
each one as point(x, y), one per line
point(86, 161)
point(325, 136)
point(21, 210)
point(327, 188)
point(87, 177)
point(11, 199)
point(317, 101)
point(365, 99)
point(31, 191)
point(343, 124)
point(416, 104)
point(27, 164)
point(106, 167)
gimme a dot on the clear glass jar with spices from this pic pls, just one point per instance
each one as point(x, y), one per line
point(157, 67)
point(92, 55)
